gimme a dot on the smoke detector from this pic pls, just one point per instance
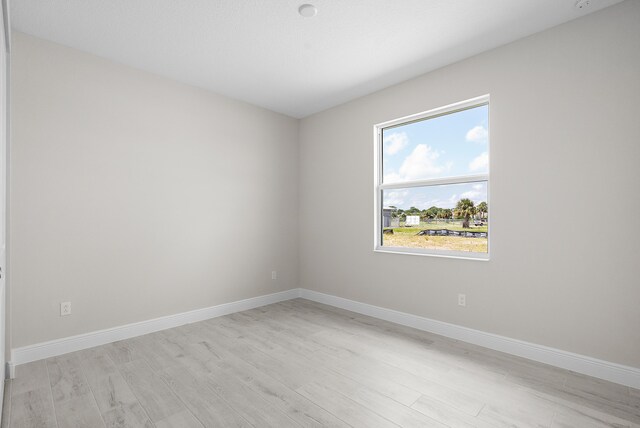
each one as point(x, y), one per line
point(307, 10)
point(583, 4)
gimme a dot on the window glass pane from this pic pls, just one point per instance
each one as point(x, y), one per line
point(445, 146)
point(453, 217)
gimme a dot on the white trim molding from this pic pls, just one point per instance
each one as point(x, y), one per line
point(65, 345)
point(625, 375)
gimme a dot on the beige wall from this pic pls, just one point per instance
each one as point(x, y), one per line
point(134, 196)
point(564, 155)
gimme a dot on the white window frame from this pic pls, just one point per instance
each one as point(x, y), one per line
point(379, 186)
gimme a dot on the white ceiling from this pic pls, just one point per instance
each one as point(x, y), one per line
point(265, 53)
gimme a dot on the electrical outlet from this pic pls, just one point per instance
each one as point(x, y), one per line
point(274, 274)
point(65, 308)
point(462, 300)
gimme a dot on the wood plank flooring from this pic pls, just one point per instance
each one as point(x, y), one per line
point(303, 364)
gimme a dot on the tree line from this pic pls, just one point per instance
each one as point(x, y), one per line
point(465, 209)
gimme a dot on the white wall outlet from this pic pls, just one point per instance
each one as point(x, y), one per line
point(462, 300)
point(274, 274)
point(65, 308)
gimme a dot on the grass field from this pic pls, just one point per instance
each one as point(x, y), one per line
point(407, 237)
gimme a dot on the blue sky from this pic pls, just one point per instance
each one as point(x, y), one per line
point(447, 146)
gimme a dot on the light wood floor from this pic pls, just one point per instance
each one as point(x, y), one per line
point(299, 363)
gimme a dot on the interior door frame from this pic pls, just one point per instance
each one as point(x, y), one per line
point(5, 336)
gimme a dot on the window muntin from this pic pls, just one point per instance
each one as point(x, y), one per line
point(432, 182)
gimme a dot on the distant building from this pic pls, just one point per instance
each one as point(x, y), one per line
point(412, 220)
point(386, 216)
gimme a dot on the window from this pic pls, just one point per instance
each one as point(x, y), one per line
point(432, 182)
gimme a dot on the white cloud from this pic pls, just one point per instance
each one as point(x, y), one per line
point(395, 197)
point(392, 177)
point(471, 194)
point(477, 134)
point(478, 191)
point(395, 142)
point(422, 163)
point(443, 203)
point(479, 163)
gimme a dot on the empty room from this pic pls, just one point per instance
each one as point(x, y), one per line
point(319, 213)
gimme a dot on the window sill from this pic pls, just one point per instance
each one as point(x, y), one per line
point(433, 253)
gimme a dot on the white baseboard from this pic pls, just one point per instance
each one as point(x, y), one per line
point(65, 345)
point(625, 375)
point(613, 372)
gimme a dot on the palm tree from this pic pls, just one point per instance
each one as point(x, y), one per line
point(483, 208)
point(464, 210)
point(444, 213)
point(433, 212)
